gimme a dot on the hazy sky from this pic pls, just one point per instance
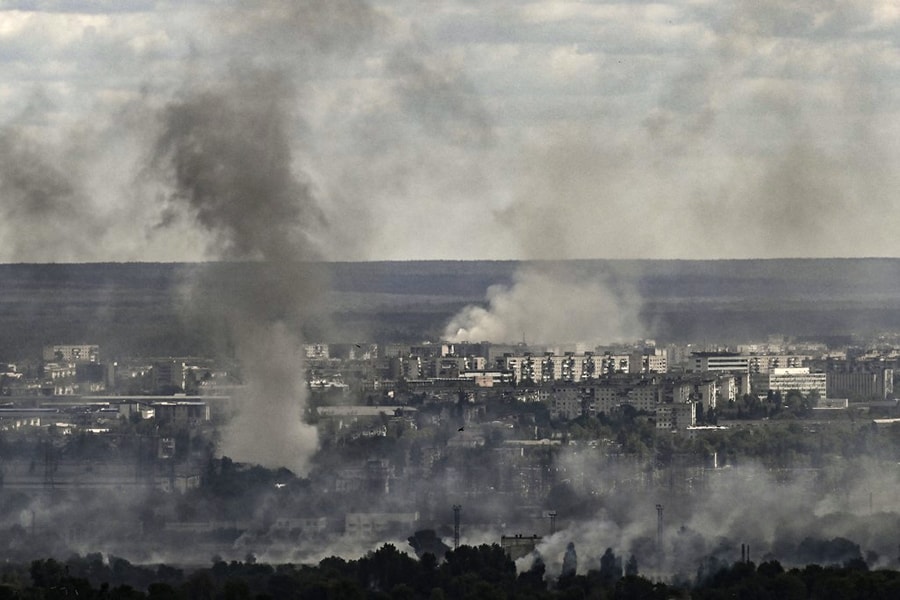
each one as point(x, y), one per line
point(455, 129)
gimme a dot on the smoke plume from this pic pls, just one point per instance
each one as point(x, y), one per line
point(548, 302)
point(226, 152)
point(790, 520)
point(40, 196)
point(236, 154)
point(232, 167)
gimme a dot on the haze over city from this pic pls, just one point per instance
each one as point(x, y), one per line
point(291, 281)
point(458, 130)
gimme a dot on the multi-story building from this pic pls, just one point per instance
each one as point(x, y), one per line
point(169, 374)
point(644, 396)
point(409, 367)
point(869, 378)
point(729, 388)
point(876, 384)
point(764, 363)
point(448, 366)
point(649, 360)
point(712, 362)
point(485, 379)
point(568, 367)
point(611, 364)
point(590, 366)
point(72, 353)
point(59, 379)
point(430, 350)
point(581, 367)
point(525, 368)
point(706, 392)
point(800, 379)
point(609, 396)
point(182, 412)
point(605, 398)
point(678, 391)
point(316, 351)
point(566, 402)
point(676, 415)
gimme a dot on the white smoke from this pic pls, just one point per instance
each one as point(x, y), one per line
point(548, 303)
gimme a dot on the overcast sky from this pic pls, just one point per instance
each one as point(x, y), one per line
point(449, 130)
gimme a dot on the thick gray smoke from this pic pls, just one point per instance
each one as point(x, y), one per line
point(39, 195)
point(242, 157)
point(274, 132)
point(227, 149)
point(231, 161)
point(227, 152)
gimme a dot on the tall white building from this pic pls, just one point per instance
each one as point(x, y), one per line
point(798, 378)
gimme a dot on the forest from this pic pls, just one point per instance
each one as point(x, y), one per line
point(139, 308)
point(469, 572)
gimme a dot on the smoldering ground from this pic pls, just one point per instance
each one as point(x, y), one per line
point(842, 510)
point(797, 518)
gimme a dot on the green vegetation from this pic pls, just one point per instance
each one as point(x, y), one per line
point(482, 572)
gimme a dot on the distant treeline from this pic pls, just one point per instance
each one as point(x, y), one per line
point(142, 308)
point(483, 572)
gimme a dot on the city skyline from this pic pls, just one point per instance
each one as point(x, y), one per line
point(382, 131)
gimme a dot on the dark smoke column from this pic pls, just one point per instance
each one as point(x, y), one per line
point(225, 153)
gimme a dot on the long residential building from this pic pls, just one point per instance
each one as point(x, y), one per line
point(877, 384)
point(800, 379)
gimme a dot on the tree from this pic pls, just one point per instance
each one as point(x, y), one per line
point(631, 567)
point(47, 573)
point(570, 561)
point(610, 567)
point(533, 578)
point(387, 567)
point(633, 587)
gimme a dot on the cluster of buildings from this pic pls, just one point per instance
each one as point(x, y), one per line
point(677, 384)
point(80, 369)
point(442, 396)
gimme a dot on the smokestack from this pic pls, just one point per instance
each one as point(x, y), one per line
point(743, 553)
point(456, 509)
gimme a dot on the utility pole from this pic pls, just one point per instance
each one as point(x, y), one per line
point(659, 535)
